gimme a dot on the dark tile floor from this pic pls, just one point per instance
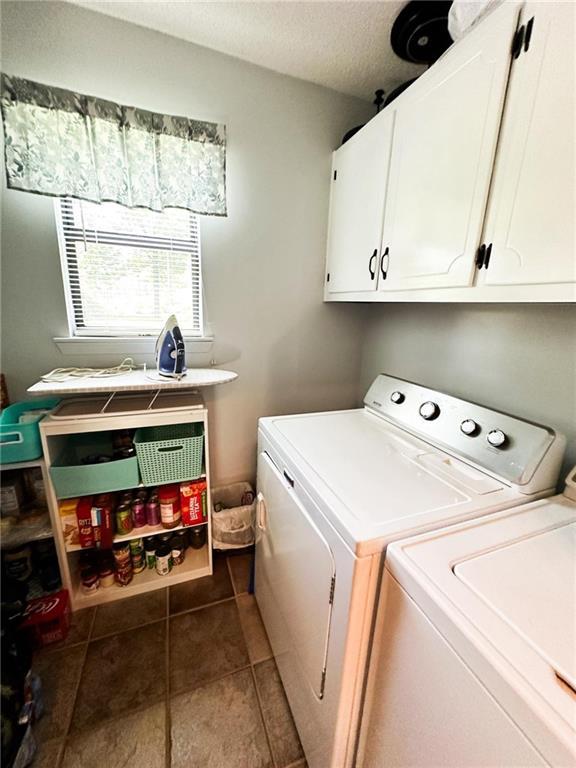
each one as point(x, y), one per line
point(179, 678)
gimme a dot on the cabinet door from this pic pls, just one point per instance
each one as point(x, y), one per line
point(531, 210)
point(444, 144)
point(359, 176)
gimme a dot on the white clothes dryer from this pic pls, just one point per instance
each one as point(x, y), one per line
point(334, 490)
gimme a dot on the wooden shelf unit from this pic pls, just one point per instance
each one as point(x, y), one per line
point(55, 431)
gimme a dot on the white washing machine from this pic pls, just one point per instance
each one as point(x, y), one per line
point(334, 490)
point(475, 658)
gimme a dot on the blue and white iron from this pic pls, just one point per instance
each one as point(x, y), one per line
point(170, 350)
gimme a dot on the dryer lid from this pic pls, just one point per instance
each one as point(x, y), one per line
point(378, 480)
point(531, 584)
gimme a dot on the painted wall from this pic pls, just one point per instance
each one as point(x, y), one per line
point(516, 358)
point(263, 265)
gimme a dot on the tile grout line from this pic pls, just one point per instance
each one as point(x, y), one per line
point(204, 605)
point(114, 718)
point(230, 576)
point(76, 691)
point(252, 665)
point(261, 712)
point(204, 684)
point(134, 628)
point(128, 629)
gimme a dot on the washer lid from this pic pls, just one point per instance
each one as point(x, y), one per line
point(532, 585)
point(502, 591)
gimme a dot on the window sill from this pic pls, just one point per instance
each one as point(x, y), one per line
point(127, 346)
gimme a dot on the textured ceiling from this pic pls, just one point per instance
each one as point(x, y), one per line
point(342, 45)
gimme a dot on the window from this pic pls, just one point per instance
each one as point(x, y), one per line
point(127, 269)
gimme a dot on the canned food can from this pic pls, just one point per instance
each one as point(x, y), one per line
point(121, 553)
point(138, 513)
point(123, 576)
point(124, 519)
point(153, 512)
point(136, 546)
point(150, 552)
point(163, 559)
point(138, 563)
point(178, 551)
point(90, 581)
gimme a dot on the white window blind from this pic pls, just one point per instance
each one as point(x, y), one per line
point(127, 269)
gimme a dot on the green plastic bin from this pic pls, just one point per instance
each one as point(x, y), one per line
point(171, 453)
point(20, 441)
point(71, 478)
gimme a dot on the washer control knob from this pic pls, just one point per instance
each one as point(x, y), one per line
point(497, 438)
point(469, 427)
point(397, 397)
point(429, 410)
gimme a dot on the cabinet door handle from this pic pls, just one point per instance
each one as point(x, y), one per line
point(480, 256)
point(384, 257)
point(372, 264)
point(517, 42)
point(487, 257)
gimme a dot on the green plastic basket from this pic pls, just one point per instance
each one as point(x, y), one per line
point(71, 478)
point(169, 454)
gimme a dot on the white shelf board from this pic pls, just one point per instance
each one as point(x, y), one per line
point(195, 566)
point(140, 485)
point(18, 534)
point(134, 381)
point(22, 465)
point(138, 533)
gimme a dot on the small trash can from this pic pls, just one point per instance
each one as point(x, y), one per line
point(233, 516)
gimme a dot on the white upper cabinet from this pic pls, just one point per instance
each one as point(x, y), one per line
point(532, 207)
point(442, 157)
point(359, 176)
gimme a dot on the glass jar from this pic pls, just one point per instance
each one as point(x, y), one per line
point(169, 497)
point(197, 536)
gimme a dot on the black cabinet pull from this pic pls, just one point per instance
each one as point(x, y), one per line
point(528, 36)
point(372, 264)
point(289, 479)
point(517, 43)
point(487, 257)
point(480, 256)
point(384, 256)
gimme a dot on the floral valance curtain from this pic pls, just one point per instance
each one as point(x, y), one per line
point(69, 145)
